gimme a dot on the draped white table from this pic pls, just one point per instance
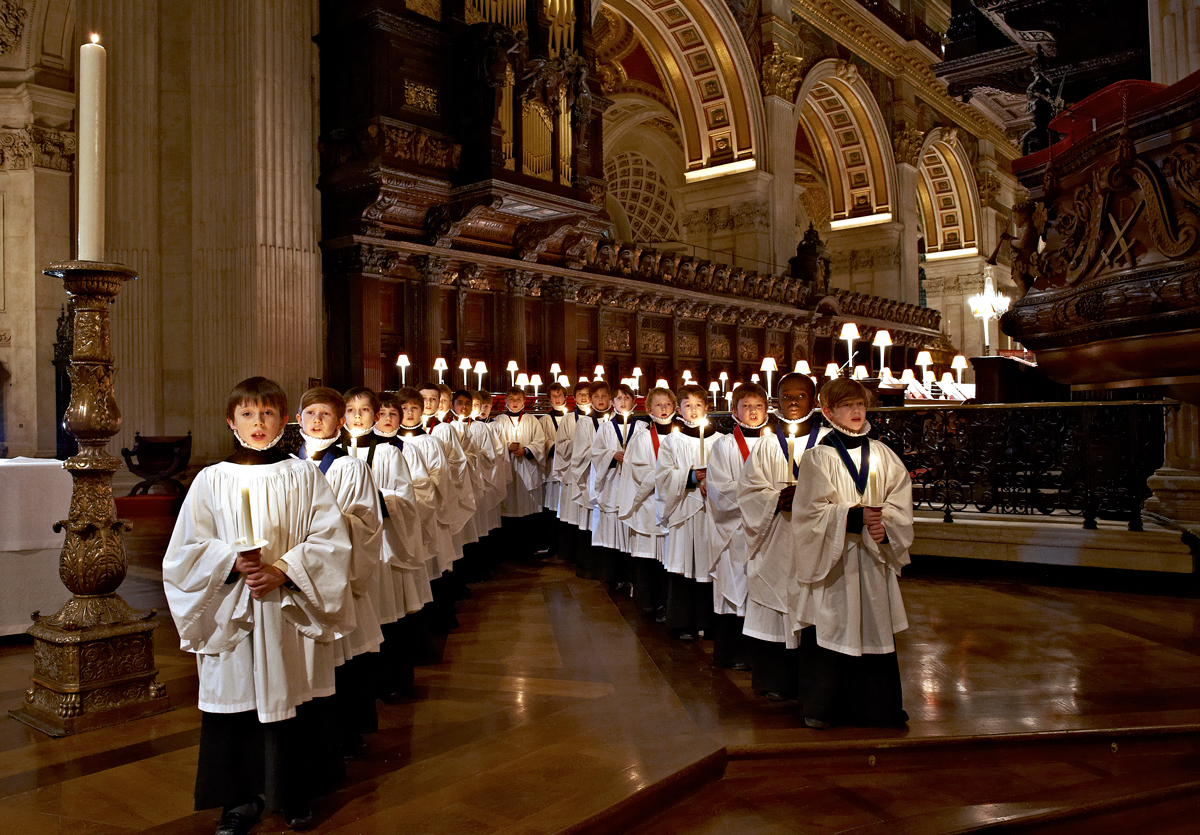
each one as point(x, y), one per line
point(34, 494)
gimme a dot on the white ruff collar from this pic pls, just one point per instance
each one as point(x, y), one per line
point(358, 433)
point(667, 421)
point(866, 430)
point(748, 426)
point(384, 434)
point(626, 415)
point(315, 446)
point(779, 416)
point(696, 425)
point(278, 438)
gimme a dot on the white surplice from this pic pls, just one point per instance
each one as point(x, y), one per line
point(552, 486)
point(580, 474)
point(525, 490)
point(647, 538)
point(426, 459)
point(608, 531)
point(260, 655)
point(569, 508)
point(358, 499)
point(679, 508)
point(846, 583)
point(770, 552)
point(727, 541)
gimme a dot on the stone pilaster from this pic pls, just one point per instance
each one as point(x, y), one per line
point(1176, 484)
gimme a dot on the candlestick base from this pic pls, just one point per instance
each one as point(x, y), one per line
point(94, 657)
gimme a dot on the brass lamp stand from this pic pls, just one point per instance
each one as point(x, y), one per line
point(94, 658)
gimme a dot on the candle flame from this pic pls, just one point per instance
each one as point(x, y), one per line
point(95, 38)
point(792, 429)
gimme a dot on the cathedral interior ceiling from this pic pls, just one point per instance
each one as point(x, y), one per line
point(945, 196)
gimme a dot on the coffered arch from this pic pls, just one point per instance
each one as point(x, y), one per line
point(709, 77)
point(844, 127)
point(946, 194)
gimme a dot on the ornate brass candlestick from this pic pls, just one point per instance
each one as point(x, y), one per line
point(94, 658)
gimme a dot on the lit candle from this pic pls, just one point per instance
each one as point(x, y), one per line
point(90, 164)
point(247, 519)
point(792, 455)
point(873, 486)
point(703, 457)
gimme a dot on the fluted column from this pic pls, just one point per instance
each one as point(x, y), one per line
point(432, 270)
point(560, 296)
point(517, 284)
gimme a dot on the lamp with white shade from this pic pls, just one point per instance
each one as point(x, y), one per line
point(512, 372)
point(959, 364)
point(637, 379)
point(687, 377)
point(724, 378)
point(882, 340)
point(831, 370)
point(849, 333)
point(555, 370)
point(465, 366)
point(480, 370)
point(860, 372)
point(536, 382)
point(522, 381)
point(661, 383)
point(599, 372)
point(924, 359)
point(715, 388)
point(754, 378)
point(403, 364)
point(564, 381)
point(440, 366)
point(769, 365)
point(802, 368)
point(908, 376)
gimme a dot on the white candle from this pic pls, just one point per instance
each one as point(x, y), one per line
point(873, 486)
point(792, 456)
point(247, 519)
point(703, 458)
point(90, 161)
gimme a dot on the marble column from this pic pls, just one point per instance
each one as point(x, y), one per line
point(781, 162)
point(1176, 484)
point(432, 271)
point(560, 295)
point(513, 334)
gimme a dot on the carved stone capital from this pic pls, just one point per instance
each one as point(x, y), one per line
point(36, 147)
point(430, 268)
point(781, 72)
point(519, 282)
point(907, 145)
point(556, 288)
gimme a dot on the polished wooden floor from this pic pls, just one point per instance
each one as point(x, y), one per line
point(558, 708)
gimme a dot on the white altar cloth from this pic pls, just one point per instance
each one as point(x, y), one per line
point(34, 494)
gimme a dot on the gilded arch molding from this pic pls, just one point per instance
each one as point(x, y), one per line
point(846, 130)
point(710, 78)
point(947, 194)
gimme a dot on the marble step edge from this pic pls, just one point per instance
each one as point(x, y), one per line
point(648, 801)
point(830, 747)
point(1030, 816)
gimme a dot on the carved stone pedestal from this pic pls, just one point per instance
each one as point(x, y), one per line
point(1176, 484)
point(94, 658)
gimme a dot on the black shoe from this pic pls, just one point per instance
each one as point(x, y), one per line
point(298, 818)
point(685, 635)
point(817, 724)
point(774, 696)
point(741, 666)
point(661, 617)
point(241, 821)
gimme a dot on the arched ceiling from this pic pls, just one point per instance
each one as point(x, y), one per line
point(946, 197)
point(705, 73)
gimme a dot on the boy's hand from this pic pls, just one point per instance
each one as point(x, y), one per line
point(513, 447)
point(519, 451)
point(873, 522)
point(785, 498)
point(248, 562)
point(265, 580)
point(619, 456)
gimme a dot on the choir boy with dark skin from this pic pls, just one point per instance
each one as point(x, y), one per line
point(765, 490)
point(524, 443)
point(260, 546)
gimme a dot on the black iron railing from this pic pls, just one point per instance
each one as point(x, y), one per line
point(908, 25)
point(1082, 459)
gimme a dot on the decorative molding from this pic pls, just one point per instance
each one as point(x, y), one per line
point(781, 72)
point(907, 145)
point(420, 147)
point(751, 215)
point(12, 25)
point(37, 147)
point(420, 96)
point(5, 338)
point(688, 345)
point(617, 339)
point(431, 268)
point(428, 8)
point(989, 186)
point(654, 342)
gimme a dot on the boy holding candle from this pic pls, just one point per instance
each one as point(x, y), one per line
point(852, 532)
point(765, 492)
point(553, 483)
point(727, 541)
point(647, 538)
point(321, 415)
point(524, 444)
point(401, 547)
point(679, 497)
point(581, 474)
point(568, 501)
point(610, 536)
point(257, 575)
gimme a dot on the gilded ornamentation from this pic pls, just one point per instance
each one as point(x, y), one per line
point(94, 657)
point(907, 145)
point(719, 347)
point(420, 96)
point(989, 186)
point(1182, 166)
point(617, 339)
point(431, 268)
point(654, 342)
point(519, 282)
point(688, 345)
point(781, 72)
point(428, 8)
point(420, 147)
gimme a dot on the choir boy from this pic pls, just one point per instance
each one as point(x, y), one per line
point(257, 576)
point(852, 527)
point(610, 536)
point(765, 491)
point(727, 543)
point(647, 539)
point(321, 416)
point(571, 541)
point(679, 497)
point(499, 474)
point(401, 540)
point(553, 486)
point(525, 450)
point(581, 474)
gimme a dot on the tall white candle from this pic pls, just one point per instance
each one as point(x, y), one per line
point(703, 457)
point(247, 519)
point(90, 168)
point(873, 486)
point(792, 456)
